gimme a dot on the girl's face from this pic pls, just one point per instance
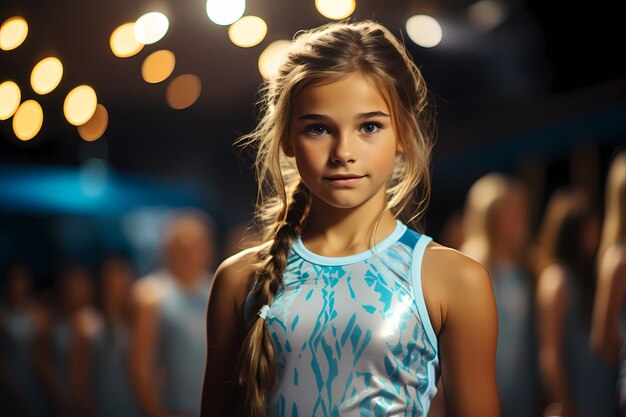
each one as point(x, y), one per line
point(342, 138)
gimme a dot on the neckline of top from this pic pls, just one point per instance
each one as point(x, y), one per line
point(306, 254)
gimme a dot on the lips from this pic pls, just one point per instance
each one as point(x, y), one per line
point(344, 179)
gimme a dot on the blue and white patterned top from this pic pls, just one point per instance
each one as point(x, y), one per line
point(352, 334)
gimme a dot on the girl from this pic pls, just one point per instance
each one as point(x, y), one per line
point(345, 311)
point(578, 383)
point(496, 235)
point(609, 318)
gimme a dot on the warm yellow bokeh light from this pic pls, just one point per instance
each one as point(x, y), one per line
point(424, 30)
point(28, 120)
point(96, 126)
point(151, 27)
point(158, 66)
point(13, 32)
point(46, 75)
point(123, 42)
point(271, 58)
point(335, 9)
point(247, 31)
point(225, 12)
point(80, 105)
point(183, 91)
point(10, 96)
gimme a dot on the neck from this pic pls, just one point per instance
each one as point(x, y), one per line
point(337, 231)
point(502, 255)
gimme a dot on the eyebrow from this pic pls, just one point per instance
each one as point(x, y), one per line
point(311, 116)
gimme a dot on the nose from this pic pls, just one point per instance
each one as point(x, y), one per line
point(343, 150)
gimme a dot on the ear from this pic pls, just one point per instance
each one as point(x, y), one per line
point(287, 147)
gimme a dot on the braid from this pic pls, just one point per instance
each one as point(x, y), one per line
point(256, 369)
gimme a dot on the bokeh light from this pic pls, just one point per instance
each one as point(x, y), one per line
point(247, 31)
point(335, 9)
point(46, 75)
point(424, 30)
point(151, 27)
point(225, 12)
point(80, 105)
point(183, 91)
point(271, 58)
point(10, 96)
point(96, 126)
point(28, 120)
point(487, 14)
point(158, 66)
point(13, 33)
point(123, 42)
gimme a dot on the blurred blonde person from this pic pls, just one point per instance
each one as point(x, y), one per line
point(168, 345)
point(609, 315)
point(495, 223)
point(577, 382)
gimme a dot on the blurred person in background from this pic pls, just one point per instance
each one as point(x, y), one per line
point(168, 344)
point(110, 341)
point(496, 229)
point(577, 382)
point(609, 316)
point(21, 319)
point(64, 347)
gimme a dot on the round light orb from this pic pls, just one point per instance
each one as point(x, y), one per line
point(123, 42)
point(28, 120)
point(183, 91)
point(271, 58)
point(225, 12)
point(151, 27)
point(424, 30)
point(10, 96)
point(80, 105)
point(13, 33)
point(335, 9)
point(158, 66)
point(46, 75)
point(248, 31)
point(96, 126)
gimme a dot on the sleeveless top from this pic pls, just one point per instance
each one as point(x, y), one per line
point(352, 335)
point(17, 348)
point(592, 383)
point(182, 343)
point(517, 367)
point(113, 392)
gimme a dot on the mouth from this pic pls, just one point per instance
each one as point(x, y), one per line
point(344, 179)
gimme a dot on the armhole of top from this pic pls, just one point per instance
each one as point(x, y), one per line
point(416, 281)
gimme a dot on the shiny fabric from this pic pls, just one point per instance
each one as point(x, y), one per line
point(352, 334)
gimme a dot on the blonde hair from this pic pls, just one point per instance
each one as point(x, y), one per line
point(315, 57)
point(614, 224)
point(480, 208)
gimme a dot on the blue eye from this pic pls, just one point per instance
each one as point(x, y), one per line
point(316, 130)
point(370, 128)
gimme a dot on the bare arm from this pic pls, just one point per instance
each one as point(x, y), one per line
point(468, 337)
point(80, 365)
point(609, 301)
point(552, 305)
point(221, 393)
point(143, 348)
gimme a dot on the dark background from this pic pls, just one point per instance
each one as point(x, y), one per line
point(541, 96)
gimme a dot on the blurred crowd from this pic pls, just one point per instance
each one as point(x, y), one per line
point(109, 343)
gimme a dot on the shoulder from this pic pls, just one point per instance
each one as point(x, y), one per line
point(149, 291)
point(614, 258)
point(552, 286)
point(235, 275)
point(612, 265)
point(453, 282)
